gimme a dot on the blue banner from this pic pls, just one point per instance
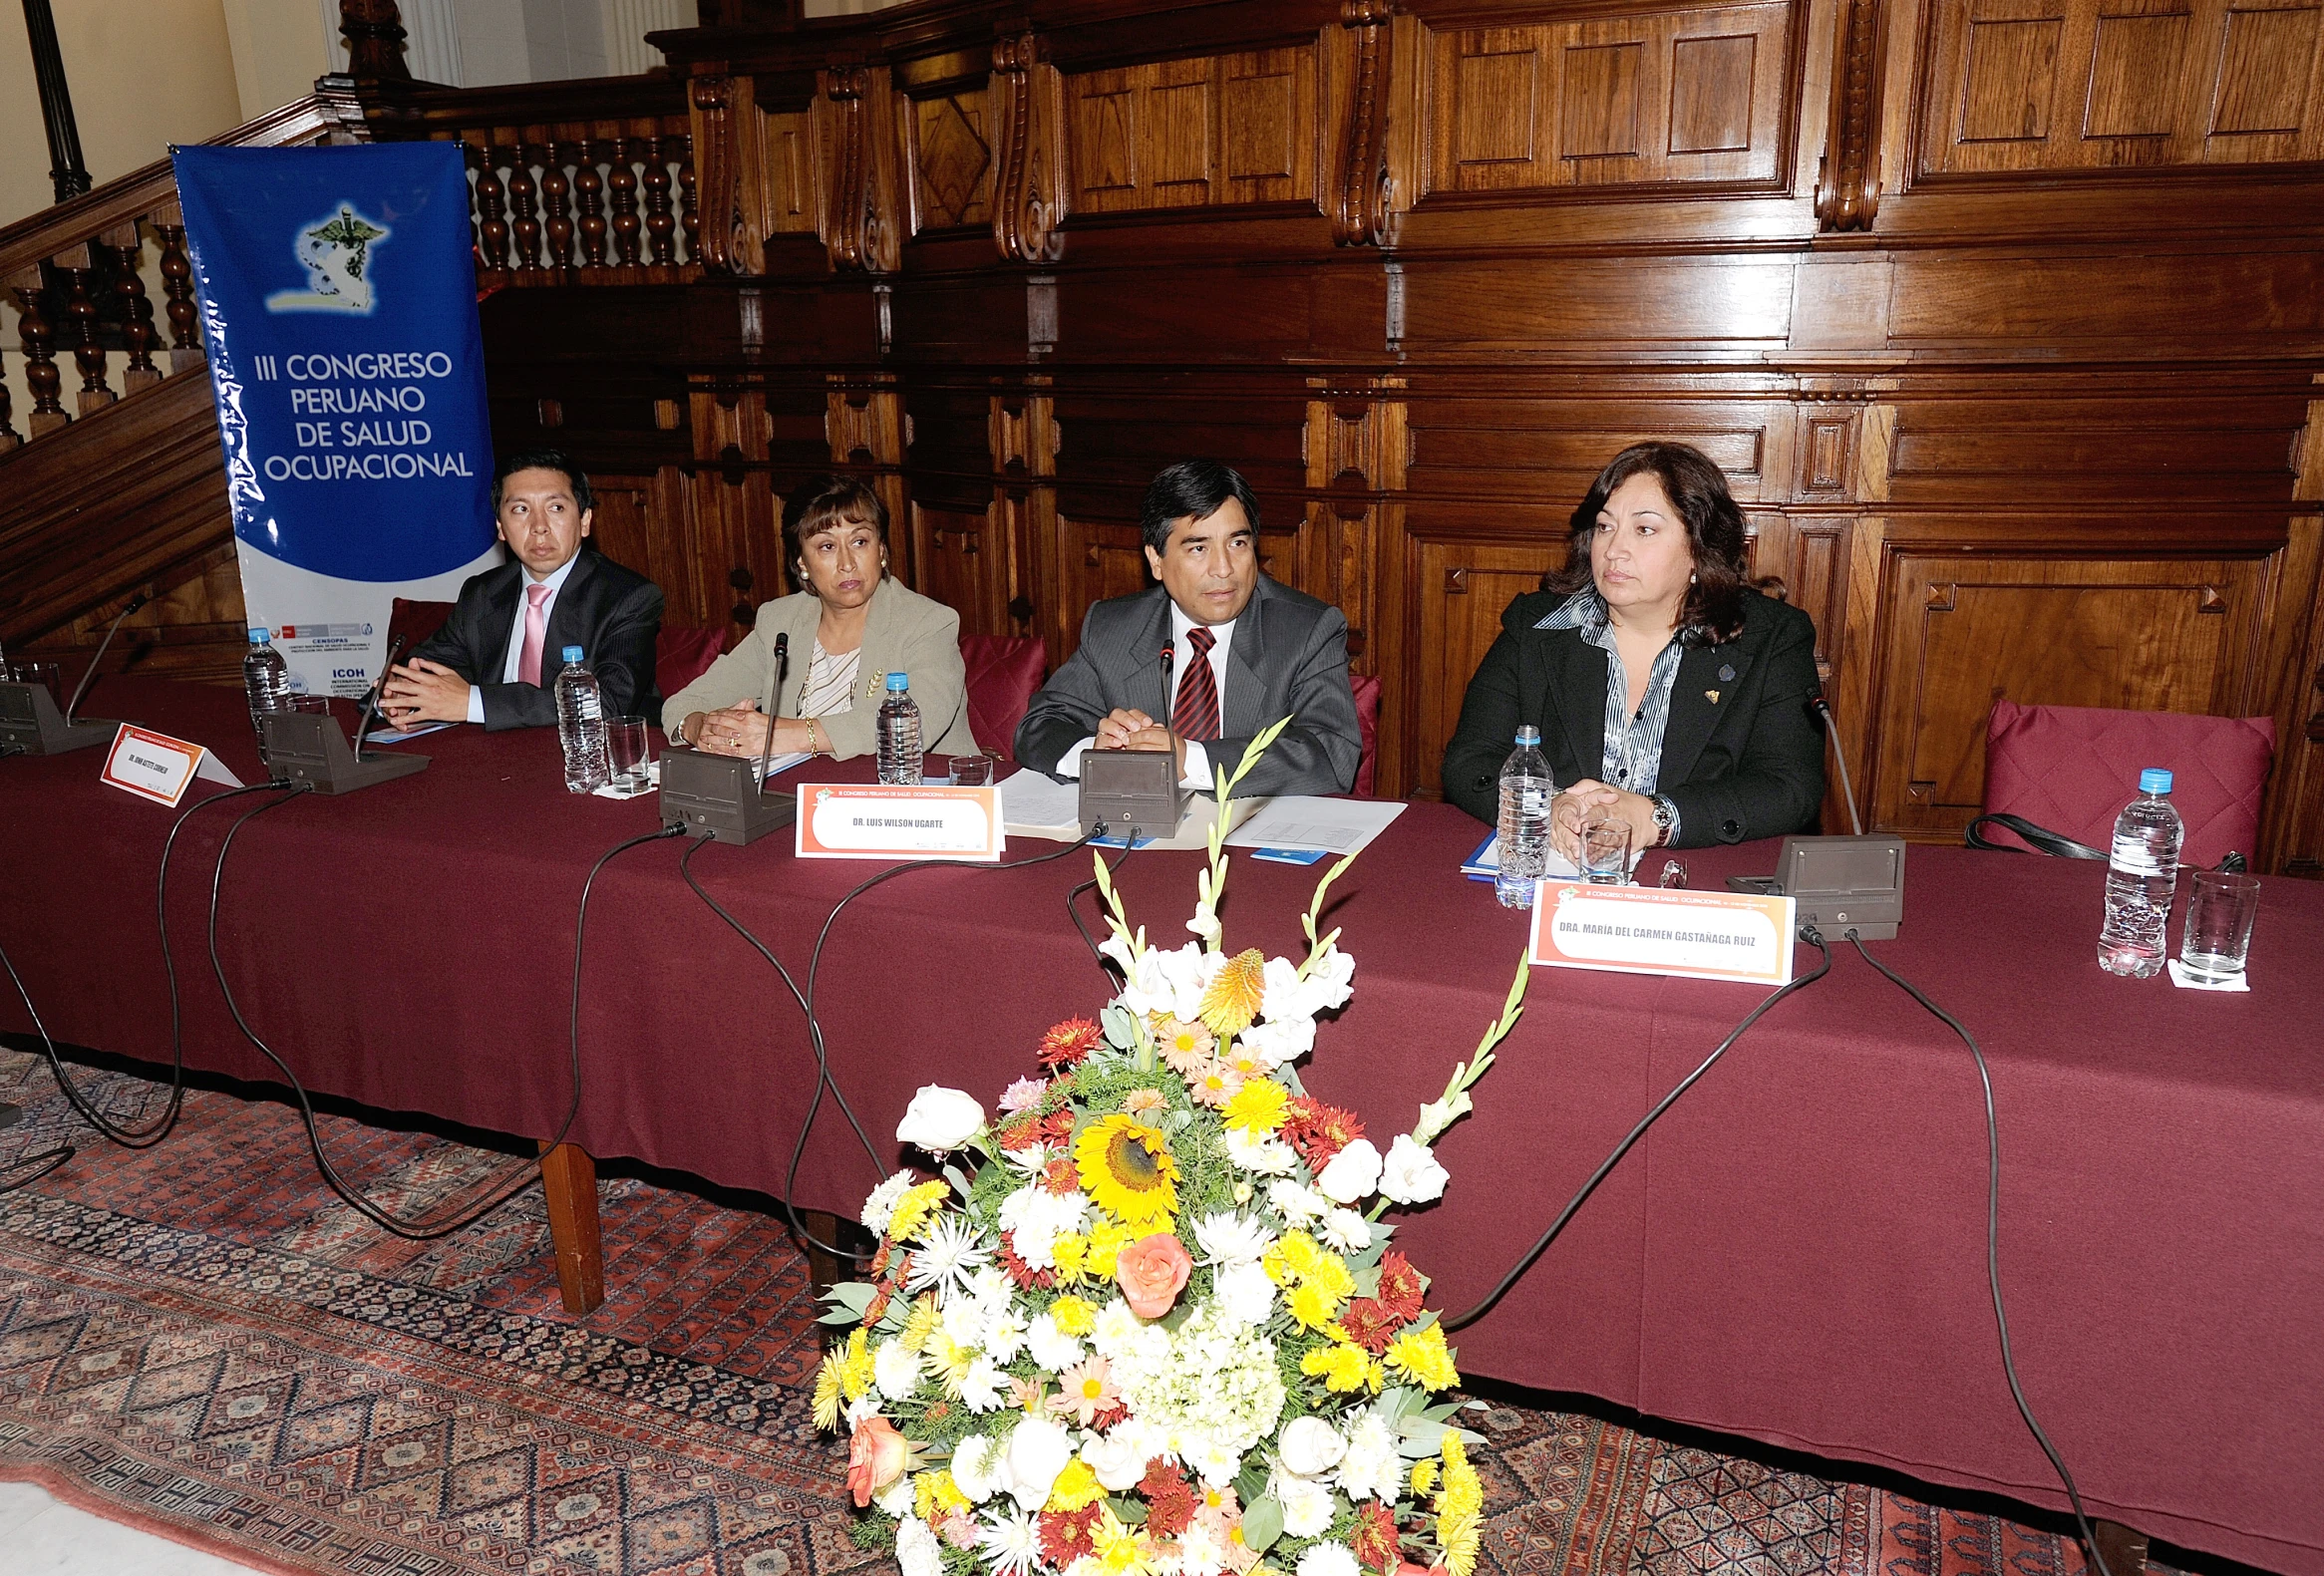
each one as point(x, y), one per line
point(338, 310)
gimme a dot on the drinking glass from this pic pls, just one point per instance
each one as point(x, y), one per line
point(1605, 848)
point(318, 704)
point(46, 674)
point(2217, 936)
point(625, 754)
point(972, 770)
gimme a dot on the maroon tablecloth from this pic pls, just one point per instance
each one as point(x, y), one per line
point(1796, 1253)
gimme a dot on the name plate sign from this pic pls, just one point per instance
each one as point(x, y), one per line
point(859, 820)
point(1739, 936)
point(158, 767)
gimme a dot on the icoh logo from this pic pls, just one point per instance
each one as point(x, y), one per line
point(349, 673)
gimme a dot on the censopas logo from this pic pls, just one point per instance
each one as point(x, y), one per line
point(337, 254)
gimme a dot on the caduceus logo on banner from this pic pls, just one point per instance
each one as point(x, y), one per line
point(338, 311)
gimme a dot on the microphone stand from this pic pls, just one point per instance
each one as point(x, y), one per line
point(74, 703)
point(781, 672)
point(371, 702)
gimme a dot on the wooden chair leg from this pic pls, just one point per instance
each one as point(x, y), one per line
point(570, 1177)
point(825, 1269)
point(2125, 1548)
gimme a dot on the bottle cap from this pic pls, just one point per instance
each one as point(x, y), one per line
point(573, 652)
point(898, 682)
point(257, 637)
point(1528, 734)
point(2154, 780)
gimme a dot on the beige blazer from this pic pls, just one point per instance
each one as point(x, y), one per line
point(904, 632)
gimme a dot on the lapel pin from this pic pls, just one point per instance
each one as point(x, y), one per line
point(1727, 674)
point(1712, 696)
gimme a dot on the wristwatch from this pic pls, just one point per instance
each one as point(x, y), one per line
point(1665, 821)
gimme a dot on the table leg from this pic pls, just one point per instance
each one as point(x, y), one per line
point(2125, 1548)
point(570, 1177)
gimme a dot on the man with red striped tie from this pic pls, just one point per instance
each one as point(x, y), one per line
point(1206, 659)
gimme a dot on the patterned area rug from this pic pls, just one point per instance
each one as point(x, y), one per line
point(201, 1341)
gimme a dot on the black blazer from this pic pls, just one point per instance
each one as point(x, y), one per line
point(1288, 657)
point(1742, 755)
point(611, 613)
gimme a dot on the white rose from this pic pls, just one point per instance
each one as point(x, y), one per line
point(1038, 1451)
point(979, 1463)
point(916, 1549)
point(939, 1119)
point(1244, 1293)
point(895, 1371)
point(1412, 1174)
point(1311, 1447)
point(1118, 1457)
point(1325, 1559)
point(1306, 1506)
point(1351, 1175)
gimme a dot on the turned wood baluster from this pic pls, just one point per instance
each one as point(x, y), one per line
point(491, 208)
point(178, 290)
point(689, 218)
point(136, 308)
point(77, 265)
point(623, 183)
point(661, 224)
point(522, 203)
point(589, 190)
point(557, 198)
point(40, 359)
point(9, 437)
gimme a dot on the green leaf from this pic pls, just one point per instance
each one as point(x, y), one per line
point(1121, 1029)
point(1262, 1523)
point(849, 1301)
point(959, 1182)
point(1129, 1512)
point(1252, 1482)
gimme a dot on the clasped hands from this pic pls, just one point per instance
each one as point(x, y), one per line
point(740, 730)
point(420, 691)
point(1134, 729)
point(1589, 798)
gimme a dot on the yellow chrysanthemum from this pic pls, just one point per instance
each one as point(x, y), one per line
point(827, 1390)
point(1120, 1550)
point(856, 1371)
point(1127, 1170)
point(1070, 1251)
point(935, 1495)
point(1311, 1305)
point(1258, 1105)
point(1423, 1358)
point(1075, 1487)
point(1073, 1315)
point(1457, 1505)
point(915, 1209)
point(1232, 1003)
point(1343, 1368)
point(1330, 1276)
point(1424, 1475)
point(921, 1321)
point(1107, 1240)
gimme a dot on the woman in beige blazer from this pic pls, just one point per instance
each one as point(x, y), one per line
point(849, 629)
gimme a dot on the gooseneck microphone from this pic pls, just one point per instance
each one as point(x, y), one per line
point(1816, 703)
point(781, 672)
point(74, 705)
point(371, 702)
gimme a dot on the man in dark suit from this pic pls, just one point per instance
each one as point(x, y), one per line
point(496, 658)
point(1248, 652)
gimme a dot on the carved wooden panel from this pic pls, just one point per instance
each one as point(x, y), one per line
point(1691, 93)
point(789, 174)
point(1192, 132)
point(962, 560)
point(1459, 591)
point(2021, 84)
point(951, 160)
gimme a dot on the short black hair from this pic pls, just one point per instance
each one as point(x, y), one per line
point(542, 460)
point(1196, 488)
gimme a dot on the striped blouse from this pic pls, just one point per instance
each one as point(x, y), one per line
point(830, 685)
point(1634, 748)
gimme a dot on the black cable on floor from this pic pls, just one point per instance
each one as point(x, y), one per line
point(63, 1152)
point(354, 1198)
point(1993, 1246)
point(1809, 934)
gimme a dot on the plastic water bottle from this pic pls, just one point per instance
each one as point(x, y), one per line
point(580, 724)
point(267, 681)
point(1525, 790)
point(2142, 874)
point(900, 732)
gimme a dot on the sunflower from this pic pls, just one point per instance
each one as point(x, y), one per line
point(1232, 1002)
point(1127, 1170)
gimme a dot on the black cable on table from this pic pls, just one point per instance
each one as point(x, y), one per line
point(1993, 1245)
point(354, 1198)
point(1074, 897)
point(1809, 934)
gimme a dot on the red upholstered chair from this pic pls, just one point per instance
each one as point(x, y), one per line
point(1004, 672)
point(415, 622)
point(1367, 689)
point(2071, 768)
point(682, 655)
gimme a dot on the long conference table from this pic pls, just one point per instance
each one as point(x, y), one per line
point(1795, 1254)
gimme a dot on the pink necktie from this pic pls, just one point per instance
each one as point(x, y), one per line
point(536, 633)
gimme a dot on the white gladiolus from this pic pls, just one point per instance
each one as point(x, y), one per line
point(1279, 990)
point(1438, 1115)
point(1411, 1175)
point(916, 1549)
point(1277, 1040)
point(939, 1119)
point(1038, 1451)
point(1329, 984)
point(1311, 1447)
point(895, 1371)
point(1351, 1175)
point(1146, 988)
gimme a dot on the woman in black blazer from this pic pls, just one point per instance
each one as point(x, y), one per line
point(1663, 683)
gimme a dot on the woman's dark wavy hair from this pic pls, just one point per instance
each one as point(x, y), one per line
point(826, 503)
point(1713, 611)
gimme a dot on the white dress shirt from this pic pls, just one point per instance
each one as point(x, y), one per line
point(1197, 769)
point(555, 581)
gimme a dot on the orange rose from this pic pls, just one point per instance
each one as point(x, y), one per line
point(876, 1458)
point(1152, 1272)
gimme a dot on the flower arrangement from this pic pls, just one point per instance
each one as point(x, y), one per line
point(1153, 1329)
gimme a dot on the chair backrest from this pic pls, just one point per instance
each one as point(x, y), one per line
point(682, 655)
point(1367, 689)
point(415, 622)
point(1004, 673)
point(2071, 768)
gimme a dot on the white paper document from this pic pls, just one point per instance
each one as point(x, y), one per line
point(1035, 805)
point(1335, 826)
point(1484, 863)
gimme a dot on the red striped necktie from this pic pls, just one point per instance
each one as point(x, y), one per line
point(1195, 714)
